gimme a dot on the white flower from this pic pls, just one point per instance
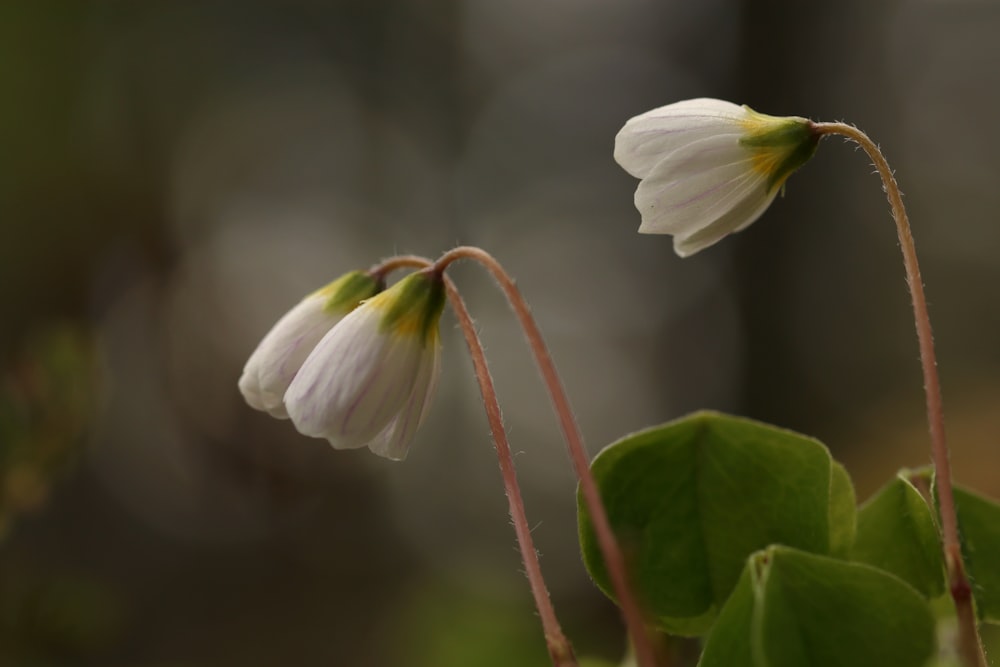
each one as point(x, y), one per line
point(369, 382)
point(278, 357)
point(708, 167)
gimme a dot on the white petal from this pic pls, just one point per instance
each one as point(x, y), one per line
point(385, 394)
point(647, 138)
point(394, 441)
point(338, 366)
point(696, 185)
point(355, 382)
point(259, 398)
point(737, 219)
point(281, 352)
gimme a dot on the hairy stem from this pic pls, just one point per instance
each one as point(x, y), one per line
point(560, 650)
point(970, 646)
point(614, 559)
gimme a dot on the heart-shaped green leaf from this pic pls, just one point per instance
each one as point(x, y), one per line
point(979, 521)
point(843, 511)
point(979, 527)
point(691, 499)
point(897, 532)
point(793, 608)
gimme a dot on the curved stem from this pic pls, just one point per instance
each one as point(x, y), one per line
point(560, 650)
point(387, 266)
point(613, 557)
point(970, 645)
point(559, 647)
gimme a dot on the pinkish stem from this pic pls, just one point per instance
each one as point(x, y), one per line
point(610, 549)
point(560, 649)
point(969, 644)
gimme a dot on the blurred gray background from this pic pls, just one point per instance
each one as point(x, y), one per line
point(174, 176)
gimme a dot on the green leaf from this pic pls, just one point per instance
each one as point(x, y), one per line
point(691, 499)
point(979, 527)
point(729, 642)
point(843, 511)
point(897, 532)
point(793, 609)
point(979, 521)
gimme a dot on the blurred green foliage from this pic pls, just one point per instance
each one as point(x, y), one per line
point(441, 626)
point(49, 620)
point(48, 396)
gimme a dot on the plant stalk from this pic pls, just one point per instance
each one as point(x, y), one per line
point(970, 648)
point(560, 649)
point(645, 652)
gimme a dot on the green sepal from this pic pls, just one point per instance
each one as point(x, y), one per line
point(346, 292)
point(414, 304)
point(778, 132)
point(793, 140)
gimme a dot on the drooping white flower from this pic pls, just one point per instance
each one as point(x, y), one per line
point(709, 167)
point(280, 354)
point(370, 380)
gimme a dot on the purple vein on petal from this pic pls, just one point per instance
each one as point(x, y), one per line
point(700, 195)
point(389, 396)
point(403, 423)
point(362, 394)
point(735, 183)
point(678, 130)
point(282, 370)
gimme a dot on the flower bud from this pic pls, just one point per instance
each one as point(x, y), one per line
point(280, 354)
point(370, 380)
point(709, 167)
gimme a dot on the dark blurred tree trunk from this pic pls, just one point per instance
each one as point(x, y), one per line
point(791, 60)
